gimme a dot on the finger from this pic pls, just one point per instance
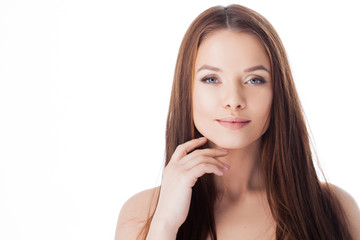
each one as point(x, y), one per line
point(201, 169)
point(183, 149)
point(203, 160)
point(210, 152)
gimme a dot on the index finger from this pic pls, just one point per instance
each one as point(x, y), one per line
point(183, 149)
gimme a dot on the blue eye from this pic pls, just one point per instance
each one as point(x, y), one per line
point(257, 81)
point(209, 80)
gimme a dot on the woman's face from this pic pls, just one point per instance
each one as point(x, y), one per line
point(232, 79)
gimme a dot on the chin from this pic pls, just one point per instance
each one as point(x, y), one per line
point(231, 142)
point(228, 143)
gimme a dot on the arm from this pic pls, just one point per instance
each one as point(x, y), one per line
point(351, 209)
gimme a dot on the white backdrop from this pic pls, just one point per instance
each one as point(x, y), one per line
point(84, 93)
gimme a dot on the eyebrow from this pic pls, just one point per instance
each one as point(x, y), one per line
point(251, 69)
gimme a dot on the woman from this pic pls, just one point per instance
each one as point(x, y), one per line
point(238, 158)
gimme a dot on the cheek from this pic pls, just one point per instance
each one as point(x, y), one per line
point(263, 106)
point(204, 106)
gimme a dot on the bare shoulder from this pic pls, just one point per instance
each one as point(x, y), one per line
point(351, 209)
point(134, 213)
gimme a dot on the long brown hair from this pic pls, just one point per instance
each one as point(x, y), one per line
point(302, 206)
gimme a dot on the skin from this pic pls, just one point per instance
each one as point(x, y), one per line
point(232, 91)
point(236, 91)
point(233, 156)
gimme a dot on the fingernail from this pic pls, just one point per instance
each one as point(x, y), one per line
point(226, 166)
point(202, 138)
point(224, 149)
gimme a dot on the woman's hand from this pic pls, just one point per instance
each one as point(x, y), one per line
point(179, 176)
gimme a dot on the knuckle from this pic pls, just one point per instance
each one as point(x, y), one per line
point(196, 152)
point(208, 166)
point(179, 150)
point(179, 147)
point(202, 158)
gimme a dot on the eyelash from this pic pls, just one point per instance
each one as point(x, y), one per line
point(261, 80)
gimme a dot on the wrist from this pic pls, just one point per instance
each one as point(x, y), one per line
point(161, 230)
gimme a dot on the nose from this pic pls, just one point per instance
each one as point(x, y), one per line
point(234, 98)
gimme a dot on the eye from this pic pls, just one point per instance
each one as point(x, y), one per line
point(210, 80)
point(257, 81)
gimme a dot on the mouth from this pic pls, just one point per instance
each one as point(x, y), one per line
point(232, 119)
point(233, 124)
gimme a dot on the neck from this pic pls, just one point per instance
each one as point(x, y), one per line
point(244, 176)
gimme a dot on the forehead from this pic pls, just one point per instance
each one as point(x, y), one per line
point(228, 50)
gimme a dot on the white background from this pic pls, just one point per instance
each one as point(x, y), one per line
point(84, 93)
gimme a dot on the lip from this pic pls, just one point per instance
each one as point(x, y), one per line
point(233, 123)
point(233, 119)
